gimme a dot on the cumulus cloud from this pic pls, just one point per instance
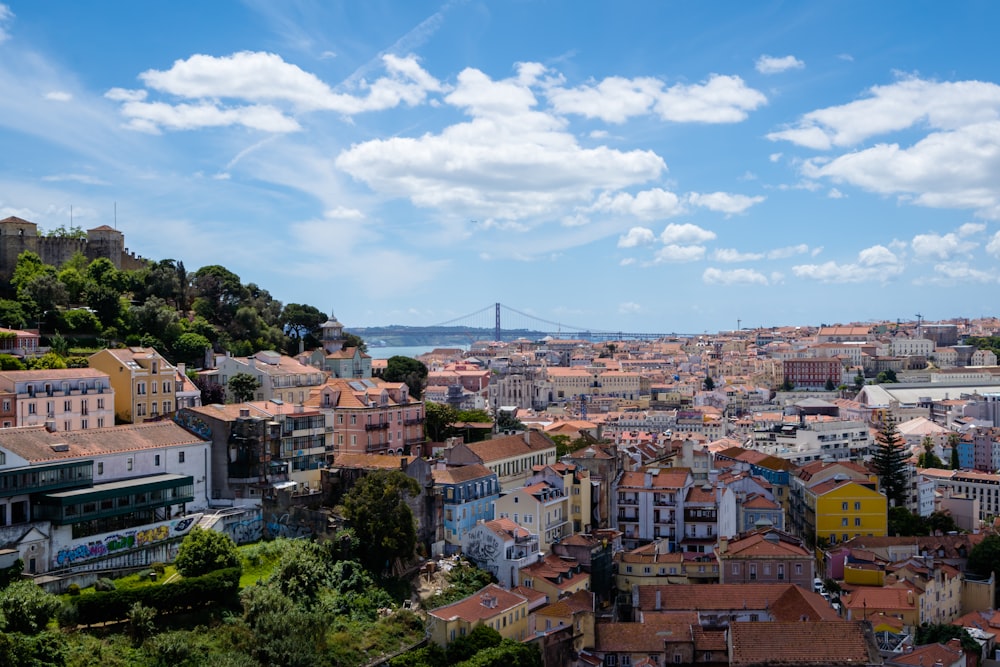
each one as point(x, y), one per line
point(876, 263)
point(258, 84)
point(962, 272)
point(679, 253)
point(713, 276)
point(993, 245)
point(724, 202)
point(894, 107)
point(720, 99)
point(509, 160)
point(971, 229)
point(938, 246)
point(635, 237)
point(685, 233)
point(629, 308)
point(647, 205)
point(731, 255)
point(775, 65)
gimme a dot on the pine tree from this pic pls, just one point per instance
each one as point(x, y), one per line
point(889, 461)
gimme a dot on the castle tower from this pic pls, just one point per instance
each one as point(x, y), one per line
point(16, 236)
point(105, 241)
point(333, 335)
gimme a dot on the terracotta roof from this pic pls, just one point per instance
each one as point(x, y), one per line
point(509, 446)
point(878, 598)
point(55, 374)
point(778, 598)
point(666, 478)
point(931, 654)
point(759, 544)
point(370, 461)
point(801, 643)
point(34, 443)
point(488, 602)
point(646, 636)
point(459, 474)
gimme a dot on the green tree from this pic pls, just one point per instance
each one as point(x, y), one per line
point(708, 383)
point(903, 522)
point(354, 340)
point(507, 653)
point(481, 637)
point(886, 377)
point(787, 385)
point(382, 521)
point(859, 381)
point(438, 419)
point(242, 387)
point(953, 440)
point(24, 607)
point(190, 349)
point(984, 559)
point(141, 623)
point(829, 386)
point(47, 361)
point(9, 362)
point(408, 370)
point(300, 320)
point(204, 551)
point(928, 459)
point(303, 572)
point(942, 633)
point(889, 462)
point(12, 315)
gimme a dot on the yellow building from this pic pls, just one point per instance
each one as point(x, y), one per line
point(143, 382)
point(845, 509)
point(504, 611)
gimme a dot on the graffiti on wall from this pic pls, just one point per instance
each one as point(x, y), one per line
point(280, 526)
point(248, 529)
point(114, 543)
point(193, 423)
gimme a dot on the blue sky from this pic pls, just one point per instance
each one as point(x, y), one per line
point(639, 166)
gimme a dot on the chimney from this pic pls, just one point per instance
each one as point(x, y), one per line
point(527, 437)
point(182, 368)
point(909, 597)
point(402, 463)
point(723, 545)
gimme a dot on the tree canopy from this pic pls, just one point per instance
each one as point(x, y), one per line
point(889, 461)
point(382, 521)
point(408, 370)
point(242, 387)
point(203, 551)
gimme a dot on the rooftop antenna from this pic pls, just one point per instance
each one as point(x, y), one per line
point(920, 319)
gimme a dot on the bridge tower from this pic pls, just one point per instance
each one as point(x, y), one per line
point(496, 327)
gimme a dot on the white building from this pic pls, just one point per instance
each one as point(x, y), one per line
point(977, 486)
point(808, 441)
point(502, 548)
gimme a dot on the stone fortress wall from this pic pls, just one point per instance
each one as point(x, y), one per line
point(17, 235)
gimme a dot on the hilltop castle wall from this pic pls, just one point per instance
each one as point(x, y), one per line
point(17, 235)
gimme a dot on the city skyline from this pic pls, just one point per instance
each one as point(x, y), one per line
point(648, 167)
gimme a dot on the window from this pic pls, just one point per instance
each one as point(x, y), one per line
point(100, 422)
point(166, 406)
point(128, 463)
point(857, 506)
point(857, 522)
point(736, 568)
point(798, 568)
point(843, 506)
point(166, 387)
point(180, 457)
point(156, 460)
point(32, 409)
point(6, 406)
point(141, 390)
point(140, 410)
point(843, 522)
point(100, 404)
point(67, 406)
point(100, 467)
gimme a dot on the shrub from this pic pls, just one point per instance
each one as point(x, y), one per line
point(159, 568)
point(68, 616)
point(104, 584)
point(74, 589)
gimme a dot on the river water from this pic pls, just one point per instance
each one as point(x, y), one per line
point(407, 350)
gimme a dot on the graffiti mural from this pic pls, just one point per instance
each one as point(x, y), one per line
point(193, 423)
point(248, 529)
point(111, 544)
point(280, 526)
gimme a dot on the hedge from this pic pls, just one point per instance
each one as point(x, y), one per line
point(219, 587)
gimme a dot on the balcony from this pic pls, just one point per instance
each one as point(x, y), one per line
point(377, 427)
point(628, 499)
point(413, 422)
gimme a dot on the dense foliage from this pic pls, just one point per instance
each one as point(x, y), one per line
point(204, 551)
point(889, 461)
point(384, 525)
point(408, 370)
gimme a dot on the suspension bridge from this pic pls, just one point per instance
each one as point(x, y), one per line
point(500, 323)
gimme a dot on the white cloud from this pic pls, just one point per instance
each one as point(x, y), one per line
point(959, 271)
point(646, 205)
point(679, 253)
point(720, 99)
point(788, 251)
point(262, 82)
point(894, 107)
point(724, 202)
point(731, 255)
point(86, 179)
point(58, 96)
point(774, 65)
point(834, 193)
point(628, 261)
point(6, 17)
point(993, 246)
point(685, 233)
point(629, 308)
point(636, 236)
point(508, 161)
point(971, 229)
point(713, 276)
point(926, 246)
point(876, 263)
point(774, 157)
